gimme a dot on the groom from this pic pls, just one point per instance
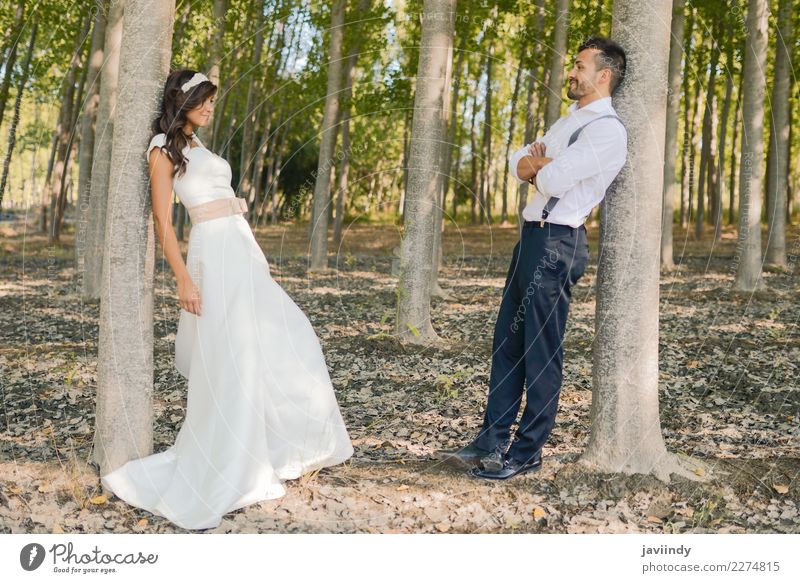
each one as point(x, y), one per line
point(571, 167)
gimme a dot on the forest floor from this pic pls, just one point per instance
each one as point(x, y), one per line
point(729, 395)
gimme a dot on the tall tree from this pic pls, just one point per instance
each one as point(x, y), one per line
point(101, 160)
point(322, 186)
point(716, 211)
point(555, 85)
point(11, 59)
point(748, 272)
point(124, 418)
point(671, 139)
point(778, 160)
point(626, 428)
point(427, 133)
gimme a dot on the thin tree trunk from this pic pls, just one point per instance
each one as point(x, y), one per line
point(778, 163)
point(484, 197)
point(626, 428)
point(124, 414)
point(8, 65)
point(748, 273)
point(532, 109)
point(416, 257)
point(474, 161)
point(64, 131)
point(322, 186)
point(671, 140)
point(210, 133)
point(706, 151)
point(511, 126)
point(555, 84)
point(251, 111)
point(734, 157)
point(723, 133)
point(347, 97)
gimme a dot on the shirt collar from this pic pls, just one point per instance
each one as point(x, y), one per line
point(598, 105)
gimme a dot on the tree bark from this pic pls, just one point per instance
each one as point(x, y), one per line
point(416, 257)
point(778, 162)
point(322, 186)
point(734, 157)
point(124, 417)
point(95, 62)
point(626, 429)
point(748, 255)
point(101, 159)
point(671, 140)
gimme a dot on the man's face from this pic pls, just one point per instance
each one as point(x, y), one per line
point(584, 78)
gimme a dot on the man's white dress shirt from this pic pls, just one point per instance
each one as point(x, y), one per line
point(579, 174)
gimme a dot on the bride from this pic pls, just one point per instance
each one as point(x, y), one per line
point(260, 407)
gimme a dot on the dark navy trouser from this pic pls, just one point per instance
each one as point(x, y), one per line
point(527, 350)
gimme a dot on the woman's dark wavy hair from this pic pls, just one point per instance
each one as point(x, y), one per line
point(171, 117)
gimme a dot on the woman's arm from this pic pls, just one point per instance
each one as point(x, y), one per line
point(161, 189)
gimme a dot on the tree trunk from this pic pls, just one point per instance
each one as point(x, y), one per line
point(438, 216)
point(124, 417)
point(734, 157)
point(210, 133)
point(723, 132)
point(322, 186)
point(778, 163)
point(706, 151)
point(12, 132)
point(416, 257)
point(101, 159)
point(485, 209)
point(64, 132)
point(251, 111)
point(511, 126)
point(626, 429)
point(748, 273)
point(347, 97)
point(10, 61)
point(88, 127)
point(555, 84)
point(671, 140)
point(532, 109)
point(474, 161)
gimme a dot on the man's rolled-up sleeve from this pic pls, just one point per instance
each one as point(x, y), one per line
point(601, 146)
point(513, 162)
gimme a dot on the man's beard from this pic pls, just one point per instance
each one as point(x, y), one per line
point(571, 93)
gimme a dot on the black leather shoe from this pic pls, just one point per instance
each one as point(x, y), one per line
point(466, 457)
point(511, 468)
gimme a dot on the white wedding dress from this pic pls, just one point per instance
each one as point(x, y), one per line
point(260, 407)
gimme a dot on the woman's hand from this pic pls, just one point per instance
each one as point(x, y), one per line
point(189, 295)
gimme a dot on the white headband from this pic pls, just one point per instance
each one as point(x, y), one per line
point(195, 80)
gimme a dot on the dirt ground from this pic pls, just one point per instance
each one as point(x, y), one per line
point(729, 395)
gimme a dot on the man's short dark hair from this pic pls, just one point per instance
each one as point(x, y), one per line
point(611, 56)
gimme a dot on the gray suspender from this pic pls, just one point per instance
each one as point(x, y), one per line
point(553, 200)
